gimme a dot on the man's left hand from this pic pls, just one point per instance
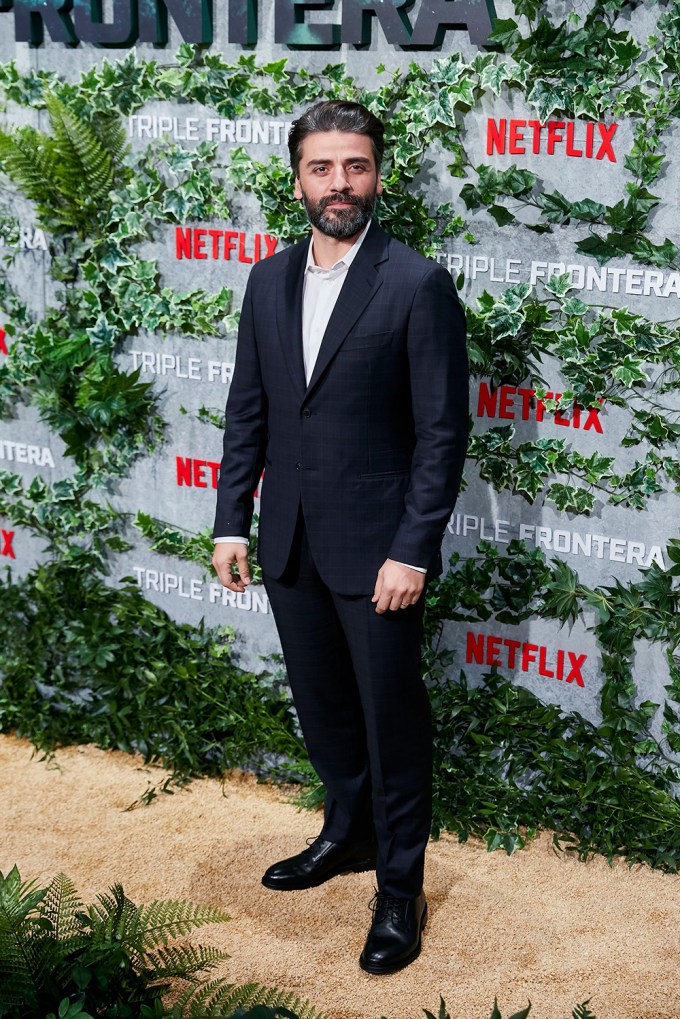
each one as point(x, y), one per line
point(397, 587)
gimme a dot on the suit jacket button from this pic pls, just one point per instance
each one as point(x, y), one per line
point(307, 413)
point(298, 467)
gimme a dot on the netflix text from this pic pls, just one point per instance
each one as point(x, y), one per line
point(506, 653)
point(194, 473)
point(575, 138)
point(203, 243)
point(511, 403)
point(6, 544)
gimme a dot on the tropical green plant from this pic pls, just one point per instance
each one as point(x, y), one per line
point(114, 959)
point(71, 173)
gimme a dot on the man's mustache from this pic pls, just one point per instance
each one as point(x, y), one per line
point(347, 199)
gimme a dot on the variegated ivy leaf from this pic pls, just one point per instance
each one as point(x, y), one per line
point(493, 76)
point(546, 98)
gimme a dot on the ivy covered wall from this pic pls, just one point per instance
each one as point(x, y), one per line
point(539, 165)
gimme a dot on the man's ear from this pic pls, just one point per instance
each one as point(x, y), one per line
point(297, 190)
point(378, 186)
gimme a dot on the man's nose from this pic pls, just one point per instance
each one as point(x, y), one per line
point(339, 179)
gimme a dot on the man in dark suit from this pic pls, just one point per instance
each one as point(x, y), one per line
point(350, 390)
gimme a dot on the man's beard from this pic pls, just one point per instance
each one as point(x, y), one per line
point(342, 222)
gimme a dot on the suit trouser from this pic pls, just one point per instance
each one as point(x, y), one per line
point(364, 713)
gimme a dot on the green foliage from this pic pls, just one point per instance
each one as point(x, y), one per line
point(507, 764)
point(495, 1014)
point(608, 356)
point(70, 174)
point(114, 959)
point(66, 364)
point(84, 663)
point(190, 547)
point(441, 1014)
point(220, 1000)
point(579, 1012)
point(109, 959)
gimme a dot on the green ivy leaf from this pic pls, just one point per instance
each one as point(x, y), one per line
point(493, 76)
point(447, 70)
point(569, 498)
point(555, 207)
point(528, 8)
point(585, 105)
point(626, 51)
point(504, 322)
point(505, 33)
point(546, 98)
point(598, 248)
point(501, 215)
point(559, 285)
point(574, 306)
point(629, 371)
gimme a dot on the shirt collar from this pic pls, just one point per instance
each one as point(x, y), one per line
point(344, 262)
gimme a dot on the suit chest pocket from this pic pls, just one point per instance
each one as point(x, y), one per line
point(367, 341)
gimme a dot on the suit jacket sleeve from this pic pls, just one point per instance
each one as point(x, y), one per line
point(245, 434)
point(438, 370)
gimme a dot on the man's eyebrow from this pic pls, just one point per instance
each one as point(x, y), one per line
point(350, 159)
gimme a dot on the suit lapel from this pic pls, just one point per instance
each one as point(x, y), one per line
point(360, 287)
point(289, 313)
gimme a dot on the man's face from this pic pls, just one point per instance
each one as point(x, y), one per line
point(338, 182)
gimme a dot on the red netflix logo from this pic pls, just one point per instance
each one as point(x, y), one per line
point(6, 540)
point(572, 137)
point(201, 243)
point(503, 652)
point(194, 473)
point(197, 473)
point(3, 344)
point(501, 403)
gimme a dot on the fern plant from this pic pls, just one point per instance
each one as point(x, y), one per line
point(108, 958)
point(70, 173)
point(113, 958)
point(218, 999)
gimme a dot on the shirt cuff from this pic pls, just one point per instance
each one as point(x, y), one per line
point(242, 541)
point(418, 569)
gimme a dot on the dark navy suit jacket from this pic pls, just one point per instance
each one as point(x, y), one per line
point(373, 448)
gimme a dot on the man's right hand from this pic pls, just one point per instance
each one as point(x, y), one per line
point(225, 555)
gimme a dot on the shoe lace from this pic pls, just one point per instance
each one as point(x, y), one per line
point(385, 907)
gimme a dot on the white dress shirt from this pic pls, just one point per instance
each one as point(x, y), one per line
point(320, 291)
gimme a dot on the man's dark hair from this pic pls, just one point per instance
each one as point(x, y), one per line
point(335, 115)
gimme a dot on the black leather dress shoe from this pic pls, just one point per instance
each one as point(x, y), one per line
point(320, 862)
point(394, 938)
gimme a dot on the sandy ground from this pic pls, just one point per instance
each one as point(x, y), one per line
point(535, 926)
